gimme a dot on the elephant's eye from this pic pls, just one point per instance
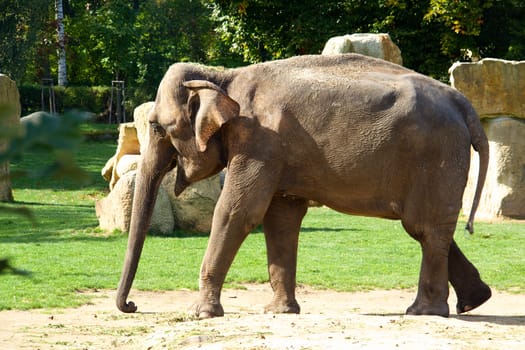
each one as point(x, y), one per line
point(158, 129)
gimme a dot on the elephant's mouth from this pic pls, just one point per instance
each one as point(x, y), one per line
point(182, 182)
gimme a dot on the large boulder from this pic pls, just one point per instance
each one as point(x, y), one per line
point(140, 118)
point(504, 191)
point(114, 211)
point(9, 120)
point(494, 87)
point(39, 119)
point(193, 209)
point(127, 144)
point(498, 94)
point(374, 45)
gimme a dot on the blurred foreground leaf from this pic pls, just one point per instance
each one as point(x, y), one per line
point(46, 133)
point(49, 133)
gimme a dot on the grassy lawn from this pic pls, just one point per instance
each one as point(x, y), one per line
point(65, 252)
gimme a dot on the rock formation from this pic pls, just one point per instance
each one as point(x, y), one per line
point(128, 147)
point(9, 120)
point(496, 89)
point(114, 211)
point(374, 45)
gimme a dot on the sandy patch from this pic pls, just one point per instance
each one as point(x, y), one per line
point(329, 320)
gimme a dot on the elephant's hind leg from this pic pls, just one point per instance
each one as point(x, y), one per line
point(471, 291)
point(432, 294)
point(282, 223)
point(430, 216)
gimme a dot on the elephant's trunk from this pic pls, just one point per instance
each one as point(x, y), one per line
point(149, 175)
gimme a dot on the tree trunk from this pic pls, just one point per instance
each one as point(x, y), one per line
point(62, 68)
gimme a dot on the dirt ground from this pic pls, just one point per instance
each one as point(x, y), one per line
point(329, 320)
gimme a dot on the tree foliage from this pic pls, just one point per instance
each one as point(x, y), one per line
point(21, 23)
point(479, 28)
point(431, 34)
point(134, 41)
point(106, 40)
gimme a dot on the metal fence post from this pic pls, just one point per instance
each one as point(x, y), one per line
point(117, 99)
point(48, 87)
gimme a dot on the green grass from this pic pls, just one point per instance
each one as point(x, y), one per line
point(66, 252)
point(98, 130)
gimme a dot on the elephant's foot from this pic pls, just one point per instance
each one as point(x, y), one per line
point(436, 309)
point(283, 307)
point(206, 310)
point(470, 302)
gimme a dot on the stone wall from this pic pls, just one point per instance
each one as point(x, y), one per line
point(496, 89)
point(9, 119)
point(373, 45)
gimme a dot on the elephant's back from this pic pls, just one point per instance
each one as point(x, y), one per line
point(369, 109)
point(365, 111)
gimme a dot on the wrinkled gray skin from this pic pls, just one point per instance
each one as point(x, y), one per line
point(359, 135)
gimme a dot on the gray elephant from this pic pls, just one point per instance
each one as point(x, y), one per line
point(357, 134)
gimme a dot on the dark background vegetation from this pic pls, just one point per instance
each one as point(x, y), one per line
point(137, 40)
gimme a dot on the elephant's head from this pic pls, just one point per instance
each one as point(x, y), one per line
point(184, 127)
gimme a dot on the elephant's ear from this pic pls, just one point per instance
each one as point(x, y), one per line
point(214, 109)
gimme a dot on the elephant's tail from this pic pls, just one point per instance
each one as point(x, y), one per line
point(481, 145)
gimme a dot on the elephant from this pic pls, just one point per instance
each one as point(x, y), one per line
point(356, 134)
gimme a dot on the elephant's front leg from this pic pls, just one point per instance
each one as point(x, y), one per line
point(227, 234)
point(282, 223)
point(244, 200)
